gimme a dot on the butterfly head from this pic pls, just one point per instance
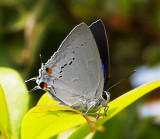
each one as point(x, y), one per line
point(106, 96)
point(43, 79)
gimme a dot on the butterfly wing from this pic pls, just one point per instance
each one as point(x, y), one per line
point(76, 68)
point(98, 30)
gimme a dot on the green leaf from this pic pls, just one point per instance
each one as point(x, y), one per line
point(90, 118)
point(118, 105)
point(17, 99)
point(47, 120)
point(48, 116)
point(3, 114)
point(46, 100)
point(44, 121)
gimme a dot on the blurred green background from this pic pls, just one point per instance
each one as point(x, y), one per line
point(29, 28)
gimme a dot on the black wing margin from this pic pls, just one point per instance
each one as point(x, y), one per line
point(98, 30)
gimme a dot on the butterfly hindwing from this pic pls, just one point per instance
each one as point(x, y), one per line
point(76, 68)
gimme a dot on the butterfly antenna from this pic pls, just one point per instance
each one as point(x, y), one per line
point(32, 79)
point(40, 58)
point(33, 89)
point(121, 80)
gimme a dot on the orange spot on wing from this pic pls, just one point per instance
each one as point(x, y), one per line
point(48, 70)
point(44, 85)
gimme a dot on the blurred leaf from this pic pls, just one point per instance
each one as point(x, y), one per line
point(17, 99)
point(8, 2)
point(34, 35)
point(3, 114)
point(18, 25)
point(117, 105)
point(149, 132)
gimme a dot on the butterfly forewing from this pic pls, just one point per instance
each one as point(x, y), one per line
point(98, 30)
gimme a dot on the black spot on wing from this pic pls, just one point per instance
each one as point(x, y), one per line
point(70, 63)
point(65, 65)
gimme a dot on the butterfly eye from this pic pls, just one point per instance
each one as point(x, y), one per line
point(48, 70)
point(43, 85)
point(45, 76)
point(105, 95)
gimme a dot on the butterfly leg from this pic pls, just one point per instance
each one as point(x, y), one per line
point(105, 110)
point(88, 109)
point(100, 107)
point(91, 105)
point(53, 89)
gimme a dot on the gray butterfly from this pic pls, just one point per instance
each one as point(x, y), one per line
point(77, 74)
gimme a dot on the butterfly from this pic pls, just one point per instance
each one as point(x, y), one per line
point(77, 75)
